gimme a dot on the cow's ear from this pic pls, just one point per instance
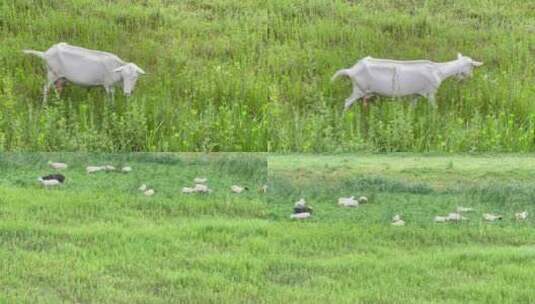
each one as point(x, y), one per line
point(477, 63)
point(136, 68)
point(140, 71)
point(459, 55)
point(119, 69)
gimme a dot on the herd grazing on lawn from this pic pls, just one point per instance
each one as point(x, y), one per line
point(302, 210)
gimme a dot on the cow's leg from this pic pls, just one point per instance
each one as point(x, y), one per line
point(357, 93)
point(108, 90)
point(414, 102)
point(45, 90)
point(431, 99)
point(110, 94)
point(58, 84)
point(51, 79)
point(366, 100)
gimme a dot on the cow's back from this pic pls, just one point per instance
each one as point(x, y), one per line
point(396, 78)
point(82, 66)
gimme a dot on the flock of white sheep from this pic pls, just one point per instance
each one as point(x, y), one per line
point(301, 209)
point(200, 183)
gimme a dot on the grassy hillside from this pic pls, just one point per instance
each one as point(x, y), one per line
point(98, 240)
point(493, 111)
point(204, 89)
point(254, 76)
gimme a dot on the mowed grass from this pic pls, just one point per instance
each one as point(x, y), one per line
point(356, 256)
point(99, 240)
point(255, 76)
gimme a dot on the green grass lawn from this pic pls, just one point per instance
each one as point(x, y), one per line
point(97, 239)
point(356, 256)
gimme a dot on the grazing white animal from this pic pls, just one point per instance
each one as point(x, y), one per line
point(93, 169)
point(397, 221)
point(142, 188)
point(455, 217)
point(451, 217)
point(202, 188)
point(520, 216)
point(188, 190)
point(464, 209)
point(86, 67)
point(108, 168)
point(200, 180)
point(57, 166)
point(237, 189)
point(49, 182)
point(198, 188)
point(348, 202)
point(126, 169)
point(149, 192)
point(491, 217)
point(363, 200)
point(440, 219)
point(300, 203)
point(300, 216)
point(396, 78)
point(264, 189)
point(301, 207)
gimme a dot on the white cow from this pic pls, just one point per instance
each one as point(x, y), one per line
point(86, 68)
point(394, 78)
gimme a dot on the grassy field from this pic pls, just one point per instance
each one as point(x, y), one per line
point(254, 76)
point(356, 256)
point(98, 240)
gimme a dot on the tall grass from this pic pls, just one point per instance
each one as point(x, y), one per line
point(493, 111)
point(204, 91)
point(254, 76)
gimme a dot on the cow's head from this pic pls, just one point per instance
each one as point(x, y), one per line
point(466, 66)
point(129, 74)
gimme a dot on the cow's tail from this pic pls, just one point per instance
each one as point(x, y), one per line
point(342, 72)
point(35, 53)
